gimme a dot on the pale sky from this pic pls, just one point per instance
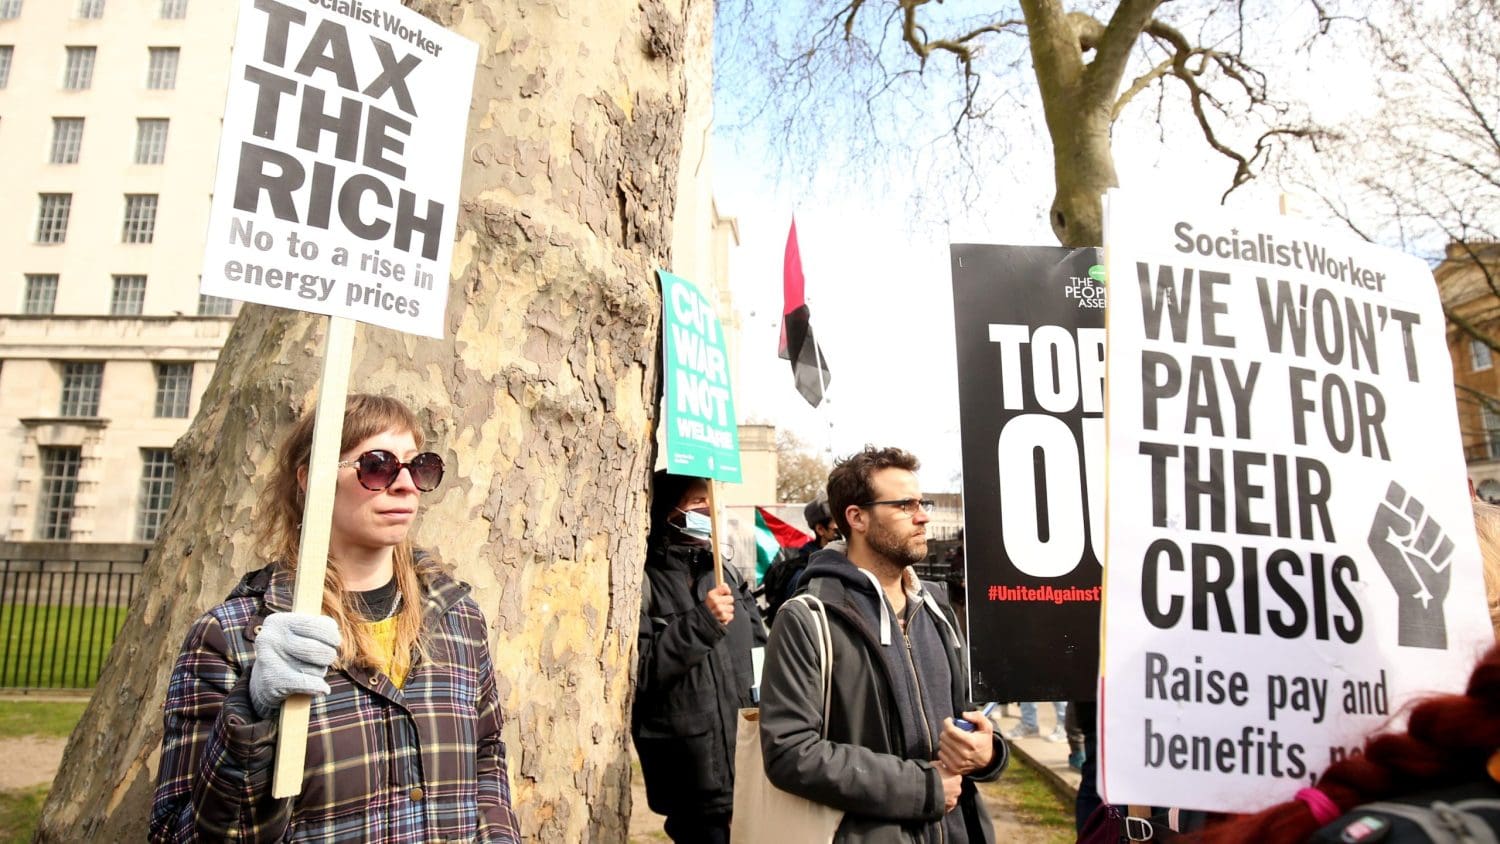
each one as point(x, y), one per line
point(878, 285)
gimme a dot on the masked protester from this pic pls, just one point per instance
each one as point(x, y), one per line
point(695, 671)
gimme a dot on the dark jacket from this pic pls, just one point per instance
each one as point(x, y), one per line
point(420, 763)
point(694, 676)
point(871, 765)
point(784, 576)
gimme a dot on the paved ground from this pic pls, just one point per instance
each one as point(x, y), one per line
point(41, 755)
point(1049, 758)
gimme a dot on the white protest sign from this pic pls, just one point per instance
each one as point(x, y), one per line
point(339, 162)
point(1291, 552)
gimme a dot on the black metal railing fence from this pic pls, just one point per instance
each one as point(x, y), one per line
point(59, 618)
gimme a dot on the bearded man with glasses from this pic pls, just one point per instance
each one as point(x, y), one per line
point(889, 753)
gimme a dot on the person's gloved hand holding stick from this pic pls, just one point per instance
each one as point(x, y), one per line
point(292, 653)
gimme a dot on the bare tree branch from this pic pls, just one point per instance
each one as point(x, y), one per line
point(1115, 45)
point(1139, 84)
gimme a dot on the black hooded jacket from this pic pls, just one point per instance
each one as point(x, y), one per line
point(694, 676)
point(890, 691)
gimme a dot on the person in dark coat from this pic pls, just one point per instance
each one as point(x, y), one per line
point(696, 670)
point(889, 754)
point(785, 575)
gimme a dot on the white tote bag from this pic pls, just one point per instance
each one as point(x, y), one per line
point(763, 813)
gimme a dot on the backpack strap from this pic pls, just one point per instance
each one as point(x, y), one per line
point(819, 615)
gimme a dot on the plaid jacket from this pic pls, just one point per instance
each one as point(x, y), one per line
point(418, 764)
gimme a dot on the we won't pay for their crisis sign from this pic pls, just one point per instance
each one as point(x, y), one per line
point(1291, 552)
point(339, 162)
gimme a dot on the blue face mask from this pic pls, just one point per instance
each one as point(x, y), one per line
point(696, 525)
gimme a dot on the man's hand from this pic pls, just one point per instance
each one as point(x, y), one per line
point(953, 785)
point(720, 602)
point(966, 752)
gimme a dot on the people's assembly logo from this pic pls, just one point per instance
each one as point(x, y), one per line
point(1087, 290)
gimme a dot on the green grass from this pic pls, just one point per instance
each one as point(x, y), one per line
point(55, 647)
point(20, 809)
point(1023, 797)
point(51, 719)
point(19, 812)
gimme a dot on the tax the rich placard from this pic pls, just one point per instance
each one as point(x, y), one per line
point(1291, 553)
point(1029, 323)
point(703, 438)
point(339, 162)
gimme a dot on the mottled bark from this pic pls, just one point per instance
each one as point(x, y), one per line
point(541, 397)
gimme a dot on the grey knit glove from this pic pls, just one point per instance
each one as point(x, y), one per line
point(292, 653)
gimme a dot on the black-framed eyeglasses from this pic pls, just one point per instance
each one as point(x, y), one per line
point(377, 469)
point(908, 506)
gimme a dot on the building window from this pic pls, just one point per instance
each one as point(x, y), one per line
point(158, 477)
point(173, 10)
point(6, 51)
point(140, 218)
point(161, 75)
point(81, 384)
point(52, 217)
point(1479, 355)
point(41, 294)
point(150, 140)
point(214, 305)
point(90, 10)
point(129, 295)
point(174, 389)
point(1490, 418)
point(10, 10)
point(79, 73)
point(67, 139)
point(59, 489)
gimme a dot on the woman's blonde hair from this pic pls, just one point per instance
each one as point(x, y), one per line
point(1487, 525)
point(280, 530)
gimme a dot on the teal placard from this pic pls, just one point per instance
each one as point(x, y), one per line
point(703, 438)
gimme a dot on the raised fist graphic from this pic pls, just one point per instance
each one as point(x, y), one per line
point(1415, 555)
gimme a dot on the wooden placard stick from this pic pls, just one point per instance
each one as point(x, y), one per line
point(713, 540)
point(312, 553)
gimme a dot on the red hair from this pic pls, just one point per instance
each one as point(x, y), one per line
point(1448, 740)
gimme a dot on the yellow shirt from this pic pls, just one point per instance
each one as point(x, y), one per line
point(392, 664)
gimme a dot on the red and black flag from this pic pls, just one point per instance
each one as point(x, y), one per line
point(809, 368)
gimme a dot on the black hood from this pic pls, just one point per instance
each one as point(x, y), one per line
point(863, 592)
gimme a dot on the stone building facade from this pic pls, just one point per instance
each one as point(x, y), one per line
point(110, 134)
point(1469, 291)
point(109, 137)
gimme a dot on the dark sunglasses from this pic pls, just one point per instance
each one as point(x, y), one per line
point(378, 469)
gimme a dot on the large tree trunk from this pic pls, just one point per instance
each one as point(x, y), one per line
point(1078, 101)
point(542, 394)
point(1084, 168)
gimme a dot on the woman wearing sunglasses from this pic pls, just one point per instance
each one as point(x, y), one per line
point(404, 738)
